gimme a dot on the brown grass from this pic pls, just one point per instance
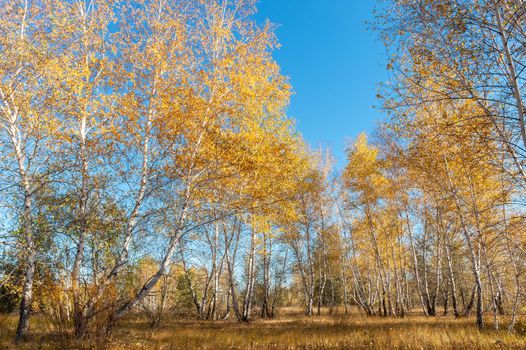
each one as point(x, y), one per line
point(290, 331)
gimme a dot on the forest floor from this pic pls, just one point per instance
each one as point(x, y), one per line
point(289, 331)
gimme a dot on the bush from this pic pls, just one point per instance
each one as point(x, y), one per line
point(10, 296)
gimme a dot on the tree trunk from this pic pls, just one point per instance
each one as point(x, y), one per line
point(27, 292)
point(29, 244)
point(415, 264)
point(512, 73)
point(247, 303)
point(452, 280)
point(79, 319)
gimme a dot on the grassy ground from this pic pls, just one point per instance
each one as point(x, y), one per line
point(290, 331)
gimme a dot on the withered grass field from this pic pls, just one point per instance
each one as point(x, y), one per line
point(290, 331)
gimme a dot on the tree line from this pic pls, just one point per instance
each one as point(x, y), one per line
point(148, 166)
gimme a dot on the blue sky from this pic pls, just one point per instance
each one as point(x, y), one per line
point(334, 63)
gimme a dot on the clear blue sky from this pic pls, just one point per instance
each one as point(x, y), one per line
point(334, 63)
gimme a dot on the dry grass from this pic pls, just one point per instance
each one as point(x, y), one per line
point(290, 331)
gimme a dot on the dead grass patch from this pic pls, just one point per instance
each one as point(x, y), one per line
point(290, 331)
